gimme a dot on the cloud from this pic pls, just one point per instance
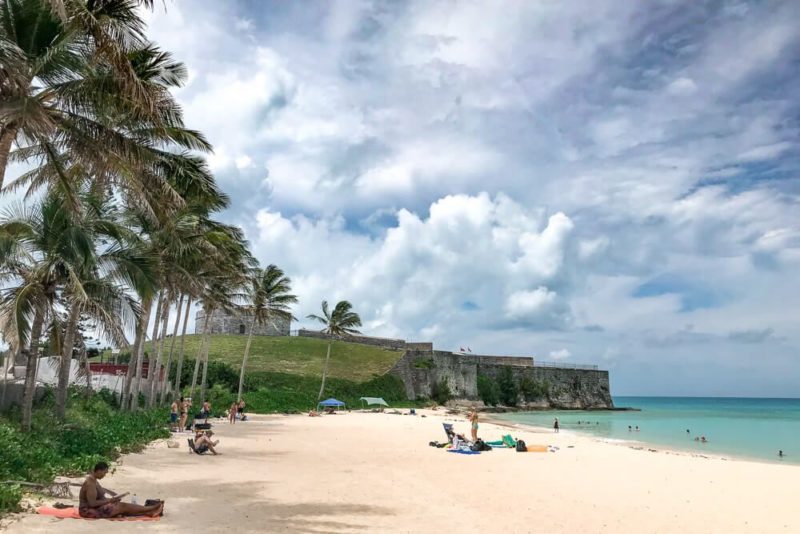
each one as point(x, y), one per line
point(560, 354)
point(521, 180)
point(751, 336)
point(475, 260)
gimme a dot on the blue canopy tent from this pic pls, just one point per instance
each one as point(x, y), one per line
point(330, 403)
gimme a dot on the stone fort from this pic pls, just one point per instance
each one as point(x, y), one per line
point(222, 322)
point(421, 368)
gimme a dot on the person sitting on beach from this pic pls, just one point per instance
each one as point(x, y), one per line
point(314, 413)
point(232, 412)
point(94, 504)
point(329, 410)
point(203, 443)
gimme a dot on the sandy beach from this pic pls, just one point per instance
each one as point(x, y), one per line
point(371, 472)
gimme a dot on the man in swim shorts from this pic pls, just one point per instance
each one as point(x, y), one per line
point(94, 504)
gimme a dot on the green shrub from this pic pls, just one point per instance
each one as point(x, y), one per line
point(441, 391)
point(532, 390)
point(509, 394)
point(95, 430)
point(488, 390)
point(423, 363)
point(10, 496)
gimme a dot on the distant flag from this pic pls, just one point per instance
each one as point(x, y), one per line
point(462, 349)
point(469, 349)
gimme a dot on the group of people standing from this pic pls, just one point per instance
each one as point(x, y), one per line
point(179, 414)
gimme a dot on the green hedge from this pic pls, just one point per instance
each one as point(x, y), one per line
point(270, 392)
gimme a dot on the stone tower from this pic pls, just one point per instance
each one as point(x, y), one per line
point(239, 323)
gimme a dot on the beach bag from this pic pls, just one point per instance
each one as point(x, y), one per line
point(521, 447)
point(480, 445)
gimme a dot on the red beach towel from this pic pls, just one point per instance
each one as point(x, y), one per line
point(72, 513)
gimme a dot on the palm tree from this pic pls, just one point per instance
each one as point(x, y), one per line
point(64, 270)
point(269, 298)
point(66, 68)
point(340, 322)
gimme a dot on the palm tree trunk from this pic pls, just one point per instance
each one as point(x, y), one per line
point(166, 383)
point(66, 360)
point(30, 370)
point(137, 373)
point(244, 359)
point(179, 369)
point(88, 370)
point(154, 375)
point(205, 368)
point(152, 353)
point(9, 356)
point(7, 135)
point(325, 370)
point(133, 361)
point(134, 355)
point(199, 355)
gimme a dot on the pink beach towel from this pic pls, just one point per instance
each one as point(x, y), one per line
point(72, 513)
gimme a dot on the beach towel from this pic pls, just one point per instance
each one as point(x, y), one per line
point(507, 441)
point(537, 448)
point(72, 513)
point(462, 451)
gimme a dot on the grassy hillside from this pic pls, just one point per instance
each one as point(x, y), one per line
point(298, 355)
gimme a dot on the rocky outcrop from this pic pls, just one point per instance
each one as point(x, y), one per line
point(555, 387)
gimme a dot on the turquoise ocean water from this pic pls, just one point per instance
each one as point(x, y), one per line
point(735, 427)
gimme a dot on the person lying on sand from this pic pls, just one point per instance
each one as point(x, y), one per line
point(314, 413)
point(95, 505)
point(203, 443)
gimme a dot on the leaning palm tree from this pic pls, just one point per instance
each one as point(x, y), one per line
point(270, 298)
point(340, 322)
point(83, 78)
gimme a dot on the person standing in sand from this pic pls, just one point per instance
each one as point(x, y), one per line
point(473, 417)
point(232, 413)
point(184, 406)
point(555, 424)
point(173, 416)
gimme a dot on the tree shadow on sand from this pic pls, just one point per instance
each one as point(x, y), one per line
point(242, 507)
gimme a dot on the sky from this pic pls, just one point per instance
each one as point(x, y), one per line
point(612, 183)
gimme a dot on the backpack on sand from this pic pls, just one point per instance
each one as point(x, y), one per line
point(480, 445)
point(521, 447)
